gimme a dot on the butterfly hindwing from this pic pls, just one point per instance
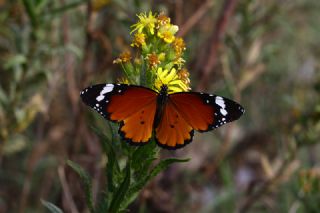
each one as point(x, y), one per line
point(205, 112)
point(172, 131)
point(133, 106)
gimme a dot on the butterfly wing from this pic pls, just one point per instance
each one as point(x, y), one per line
point(172, 131)
point(133, 106)
point(205, 112)
point(188, 111)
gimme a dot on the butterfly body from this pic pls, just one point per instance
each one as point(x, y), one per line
point(171, 117)
point(161, 102)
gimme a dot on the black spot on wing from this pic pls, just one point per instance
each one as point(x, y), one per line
point(129, 140)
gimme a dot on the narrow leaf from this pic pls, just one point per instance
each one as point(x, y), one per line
point(146, 177)
point(164, 164)
point(112, 168)
point(102, 205)
point(120, 194)
point(3, 96)
point(143, 153)
point(14, 61)
point(30, 9)
point(86, 182)
point(65, 8)
point(51, 207)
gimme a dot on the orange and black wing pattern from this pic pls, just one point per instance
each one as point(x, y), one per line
point(205, 112)
point(172, 130)
point(188, 111)
point(133, 106)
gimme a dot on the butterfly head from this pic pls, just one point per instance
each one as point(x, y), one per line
point(164, 89)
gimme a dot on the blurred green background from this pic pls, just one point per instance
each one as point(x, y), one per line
point(264, 54)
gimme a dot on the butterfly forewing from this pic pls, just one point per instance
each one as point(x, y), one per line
point(205, 112)
point(133, 106)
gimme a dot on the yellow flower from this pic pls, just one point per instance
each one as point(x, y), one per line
point(139, 40)
point(123, 80)
point(167, 32)
point(309, 180)
point(163, 19)
point(179, 62)
point(153, 60)
point(123, 58)
point(179, 46)
point(145, 21)
point(184, 76)
point(162, 56)
point(137, 61)
point(171, 79)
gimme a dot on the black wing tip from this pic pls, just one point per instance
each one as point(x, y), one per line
point(178, 146)
point(89, 94)
point(237, 111)
point(89, 97)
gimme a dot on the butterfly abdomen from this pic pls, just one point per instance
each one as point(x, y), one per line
point(161, 103)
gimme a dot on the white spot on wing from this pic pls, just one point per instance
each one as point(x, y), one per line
point(106, 89)
point(223, 112)
point(100, 98)
point(219, 101)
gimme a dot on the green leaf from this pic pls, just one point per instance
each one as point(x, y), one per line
point(147, 176)
point(143, 76)
point(120, 194)
point(65, 8)
point(40, 5)
point(14, 61)
point(143, 153)
point(86, 182)
point(164, 164)
point(16, 143)
point(3, 96)
point(112, 168)
point(102, 205)
point(30, 9)
point(36, 79)
point(51, 207)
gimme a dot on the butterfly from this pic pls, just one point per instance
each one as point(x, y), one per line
point(171, 117)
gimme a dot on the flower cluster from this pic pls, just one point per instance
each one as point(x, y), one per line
point(159, 59)
point(309, 181)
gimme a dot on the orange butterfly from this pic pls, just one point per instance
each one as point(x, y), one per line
point(172, 117)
